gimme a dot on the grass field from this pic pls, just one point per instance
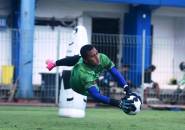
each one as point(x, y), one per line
point(46, 118)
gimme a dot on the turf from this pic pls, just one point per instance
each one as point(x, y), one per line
point(46, 118)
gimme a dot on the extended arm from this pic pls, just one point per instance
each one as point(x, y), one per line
point(68, 61)
point(120, 79)
point(123, 104)
point(95, 94)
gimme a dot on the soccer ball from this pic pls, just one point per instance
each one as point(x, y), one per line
point(135, 104)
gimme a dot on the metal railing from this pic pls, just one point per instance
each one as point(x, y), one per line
point(166, 54)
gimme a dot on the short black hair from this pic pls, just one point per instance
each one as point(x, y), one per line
point(85, 49)
point(151, 68)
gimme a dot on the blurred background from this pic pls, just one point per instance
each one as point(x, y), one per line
point(145, 39)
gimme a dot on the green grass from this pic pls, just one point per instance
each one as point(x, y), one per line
point(46, 118)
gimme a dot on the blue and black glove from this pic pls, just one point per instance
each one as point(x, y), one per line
point(124, 104)
point(127, 103)
point(127, 89)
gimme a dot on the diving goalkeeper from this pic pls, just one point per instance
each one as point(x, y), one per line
point(86, 72)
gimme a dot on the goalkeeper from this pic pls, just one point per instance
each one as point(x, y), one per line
point(86, 72)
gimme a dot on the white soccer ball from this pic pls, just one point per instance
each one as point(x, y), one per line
point(136, 104)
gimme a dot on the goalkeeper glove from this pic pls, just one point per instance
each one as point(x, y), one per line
point(127, 89)
point(50, 64)
point(127, 105)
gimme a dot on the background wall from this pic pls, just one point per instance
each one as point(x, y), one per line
point(168, 33)
point(168, 43)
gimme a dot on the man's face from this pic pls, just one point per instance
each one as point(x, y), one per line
point(92, 57)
